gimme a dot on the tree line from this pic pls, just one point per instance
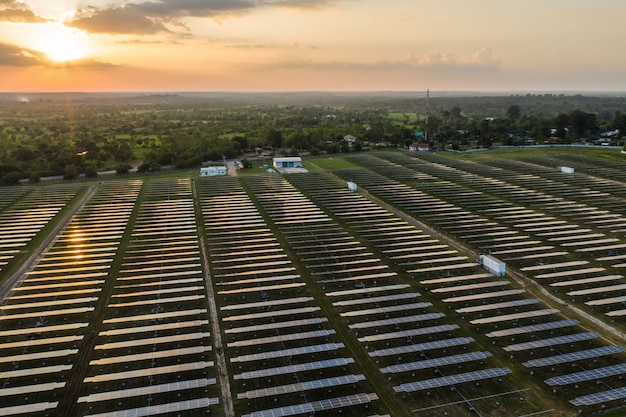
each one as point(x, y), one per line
point(85, 134)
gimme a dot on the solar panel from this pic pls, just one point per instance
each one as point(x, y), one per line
point(409, 333)
point(315, 406)
point(515, 316)
point(303, 367)
point(452, 379)
point(586, 281)
point(367, 290)
point(483, 295)
point(596, 290)
point(267, 303)
point(402, 296)
point(422, 347)
point(388, 309)
point(431, 363)
point(154, 389)
point(288, 352)
point(459, 278)
point(273, 313)
point(397, 320)
point(573, 356)
point(600, 397)
point(497, 306)
point(279, 325)
point(591, 374)
point(302, 386)
point(605, 301)
point(471, 287)
point(553, 341)
point(533, 328)
point(282, 338)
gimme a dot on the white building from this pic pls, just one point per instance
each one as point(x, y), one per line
point(213, 171)
point(288, 162)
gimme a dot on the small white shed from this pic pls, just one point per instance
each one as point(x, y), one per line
point(493, 265)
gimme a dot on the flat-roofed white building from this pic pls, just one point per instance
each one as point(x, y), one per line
point(213, 171)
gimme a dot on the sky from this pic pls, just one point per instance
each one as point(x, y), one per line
point(312, 45)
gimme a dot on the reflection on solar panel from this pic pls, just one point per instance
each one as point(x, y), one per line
point(359, 277)
point(153, 327)
point(573, 356)
point(497, 306)
point(282, 338)
point(38, 355)
point(596, 290)
point(302, 386)
point(150, 371)
point(452, 380)
point(483, 295)
point(266, 288)
point(154, 389)
point(367, 290)
point(310, 366)
point(600, 397)
point(153, 340)
point(586, 281)
point(288, 352)
point(275, 313)
point(151, 355)
point(385, 309)
point(471, 286)
point(312, 407)
point(267, 303)
point(158, 301)
point(162, 408)
point(156, 316)
point(431, 363)
point(279, 325)
point(516, 316)
point(421, 347)
point(454, 279)
point(591, 374)
point(402, 296)
point(553, 341)
point(533, 328)
point(25, 389)
point(409, 333)
point(397, 320)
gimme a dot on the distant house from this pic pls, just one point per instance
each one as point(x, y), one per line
point(350, 139)
point(213, 171)
point(419, 147)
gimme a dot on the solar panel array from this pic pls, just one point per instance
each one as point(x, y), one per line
point(275, 333)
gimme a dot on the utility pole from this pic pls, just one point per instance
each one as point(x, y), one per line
point(427, 114)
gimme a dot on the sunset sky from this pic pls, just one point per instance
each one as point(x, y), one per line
point(312, 45)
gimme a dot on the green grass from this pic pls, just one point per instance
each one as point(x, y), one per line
point(328, 163)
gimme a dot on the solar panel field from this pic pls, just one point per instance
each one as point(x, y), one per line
point(265, 295)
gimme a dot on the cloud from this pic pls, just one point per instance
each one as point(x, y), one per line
point(151, 17)
point(125, 19)
point(481, 60)
point(17, 56)
point(15, 11)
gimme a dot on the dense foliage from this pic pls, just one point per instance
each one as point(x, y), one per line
point(73, 134)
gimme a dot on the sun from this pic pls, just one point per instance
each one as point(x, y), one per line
point(63, 44)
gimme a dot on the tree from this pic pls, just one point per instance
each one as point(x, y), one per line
point(513, 113)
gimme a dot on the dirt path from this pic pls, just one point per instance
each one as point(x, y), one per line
point(227, 400)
